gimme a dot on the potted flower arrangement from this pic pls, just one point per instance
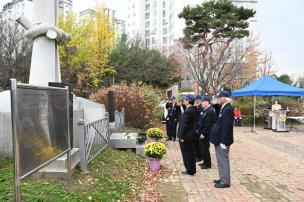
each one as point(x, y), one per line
point(155, 134)
point(155, 152)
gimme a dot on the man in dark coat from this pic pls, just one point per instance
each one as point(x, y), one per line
point(168, 107)
point(174, 115)
point(206, 121)
point(198, 145)
point(222, 138)
point(187, 134)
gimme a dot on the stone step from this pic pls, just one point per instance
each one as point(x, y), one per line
point(60, 165)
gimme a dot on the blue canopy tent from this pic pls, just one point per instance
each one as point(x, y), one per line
point(267, 86)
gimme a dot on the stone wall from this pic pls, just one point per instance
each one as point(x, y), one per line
point(6, 142)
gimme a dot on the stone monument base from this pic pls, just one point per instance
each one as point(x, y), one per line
point(58, 169)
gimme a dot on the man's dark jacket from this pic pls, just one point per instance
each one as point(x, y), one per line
point(206, 121)
point(222, 131)
point(187, 125)
point(174, 112)
point(168, 107)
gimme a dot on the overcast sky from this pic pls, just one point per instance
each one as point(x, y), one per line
point(280, 29)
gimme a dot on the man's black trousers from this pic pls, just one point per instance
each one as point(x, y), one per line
point(188, 157)
point(172, 129)
point(206, 151)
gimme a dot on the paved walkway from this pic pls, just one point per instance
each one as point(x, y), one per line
point(265, 166)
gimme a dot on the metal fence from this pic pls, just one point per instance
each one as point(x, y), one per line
point(119, 120)
point(93, 138)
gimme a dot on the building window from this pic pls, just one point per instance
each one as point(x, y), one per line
point(154, 30)
point(147, 7)
point(147, 42)
point(164, 13)
point(147, 32)
point(164, 4)
point(147, 24)
point(165, 31)
point(147, 16)
point(153, 40)
point(165, 40)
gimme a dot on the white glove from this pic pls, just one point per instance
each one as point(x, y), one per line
point(223, 146)
point(202, 136)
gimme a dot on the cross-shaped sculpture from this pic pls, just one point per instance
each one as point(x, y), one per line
point(45, 66)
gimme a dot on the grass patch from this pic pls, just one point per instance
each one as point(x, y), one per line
point(113, 175)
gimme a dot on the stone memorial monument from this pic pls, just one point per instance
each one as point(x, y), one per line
point(45, 66)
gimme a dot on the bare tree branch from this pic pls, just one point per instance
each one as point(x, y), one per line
point(214, 63)
point(14, 53)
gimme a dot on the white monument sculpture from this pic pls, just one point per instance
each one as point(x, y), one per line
point(45, 66)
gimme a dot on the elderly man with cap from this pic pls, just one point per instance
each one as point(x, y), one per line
point(222, 138)
point(207, 118)
point(187, 135)
point(174, 112)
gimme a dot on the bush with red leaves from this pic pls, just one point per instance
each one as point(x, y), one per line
point(139, 102)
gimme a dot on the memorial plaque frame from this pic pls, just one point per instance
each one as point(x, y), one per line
point(57, 133)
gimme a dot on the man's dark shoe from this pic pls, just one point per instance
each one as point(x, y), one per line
point(184, 173)
point(198, 159)
point(201, 164)
point(205, 167)
point(174, 139)
point(216, 181)
point(221, 185)
point(168, 139)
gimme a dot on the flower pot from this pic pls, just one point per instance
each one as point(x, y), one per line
point(153, 139)
point(154, 164)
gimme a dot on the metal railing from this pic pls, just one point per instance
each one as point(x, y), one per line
point(120, 120)
point(93, 138)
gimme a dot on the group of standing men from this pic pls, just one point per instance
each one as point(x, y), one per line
point(199, 123)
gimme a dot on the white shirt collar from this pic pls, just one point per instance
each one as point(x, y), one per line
point(224, 105)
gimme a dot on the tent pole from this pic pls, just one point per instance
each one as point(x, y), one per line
point(254, 114)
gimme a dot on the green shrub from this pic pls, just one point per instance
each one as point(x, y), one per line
point(159, 114)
